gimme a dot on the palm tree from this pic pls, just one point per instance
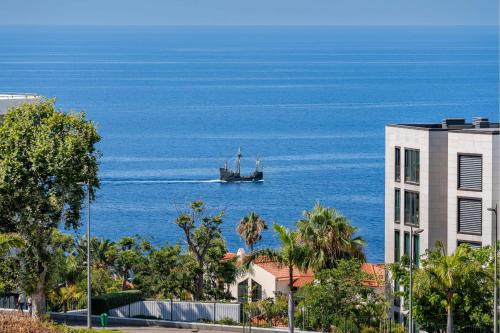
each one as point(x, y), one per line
point(99, 251)
point(250, 229)
point(331, 237)
point(448, 273)
point(9, 241)
point(292, 254)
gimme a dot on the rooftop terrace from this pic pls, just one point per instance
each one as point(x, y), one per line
point(478, 125)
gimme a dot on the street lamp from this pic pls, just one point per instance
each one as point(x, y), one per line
point(412, 233)
point(89, 288)
point(495, 293)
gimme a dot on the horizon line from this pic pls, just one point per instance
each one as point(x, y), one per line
point(250, 25)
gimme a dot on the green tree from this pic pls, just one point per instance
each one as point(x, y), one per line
point(330, 236)
point(100, 250)
point(452, 291)
point(201, 232)
point(9, 241)
point(219, 272)
point(125, 254)
point(250, 229)
point(45, 155)
point(163, 273)
point(292, 254)
point(341, 293)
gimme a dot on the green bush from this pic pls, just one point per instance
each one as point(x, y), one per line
point(105, 302)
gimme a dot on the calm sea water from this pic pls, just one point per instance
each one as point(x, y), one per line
point(173, 103)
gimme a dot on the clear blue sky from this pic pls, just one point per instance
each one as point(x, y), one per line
point(249, 12)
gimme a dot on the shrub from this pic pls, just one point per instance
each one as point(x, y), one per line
point(368, 329)
point(15, 322)
point(105, 302)
point(228, 321)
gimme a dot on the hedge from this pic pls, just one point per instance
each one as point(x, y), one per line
point(105, 302)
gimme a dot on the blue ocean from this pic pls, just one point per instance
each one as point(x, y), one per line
point(173, 103)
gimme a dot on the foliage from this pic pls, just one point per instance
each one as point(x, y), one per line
point(250, 229)
point(201, 231)
point(292, 254)
point(271, 311)
point(341, 294)
point(8, 242)
point(45, 155)
point(165, 273)
point(330, 236)
point(458, 285)
point(103, 303)
point(124, 256)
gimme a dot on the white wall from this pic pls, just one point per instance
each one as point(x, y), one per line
point(465, 142)
point(259, 275)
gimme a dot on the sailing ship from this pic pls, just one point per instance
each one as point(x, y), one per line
point(228, 175)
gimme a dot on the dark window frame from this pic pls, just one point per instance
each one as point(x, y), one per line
point(458, 172)
point(408, 179)
point(416, 250)
point(397, 194)
point(406, 222)
point(397, 249)
point(397, 164)
point(406, 244)
point(458, 216)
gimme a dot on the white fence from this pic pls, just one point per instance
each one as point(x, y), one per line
point(179, 311)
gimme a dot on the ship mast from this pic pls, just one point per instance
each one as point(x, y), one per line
point(238, 158)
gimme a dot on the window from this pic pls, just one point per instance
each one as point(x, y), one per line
point(412, 165)
point(416, 250)
point(470, 216)
point(397, 299)
point(397, 164)
point(243, 291)
point(397, 205)
point(470, 172)
point(407, 244)
point(474, 245)
point(412, 207)
point(397, 246)
point(256, 291)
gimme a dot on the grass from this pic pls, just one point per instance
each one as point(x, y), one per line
point(16, 322)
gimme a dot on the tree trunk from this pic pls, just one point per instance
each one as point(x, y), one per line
point(38, 301)
point(291, 306)
point(198, 287)
point(449, 319)
point(124, 282)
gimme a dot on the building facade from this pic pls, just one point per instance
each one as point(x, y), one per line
point(440, 178)
point(8, 100)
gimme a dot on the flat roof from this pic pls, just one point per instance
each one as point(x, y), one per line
point(8, 100)
point(478, 126)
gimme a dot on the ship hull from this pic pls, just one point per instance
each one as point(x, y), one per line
point(229, 176)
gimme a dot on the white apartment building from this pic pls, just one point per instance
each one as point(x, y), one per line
point(442, 178)
point(8, 100)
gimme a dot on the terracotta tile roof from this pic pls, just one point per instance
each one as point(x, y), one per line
point(281, 272)
point(377, 271)
point(229, 256)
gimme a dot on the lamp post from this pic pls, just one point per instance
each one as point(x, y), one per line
point(495, 293)
point(412, 233)
point(89, 287)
